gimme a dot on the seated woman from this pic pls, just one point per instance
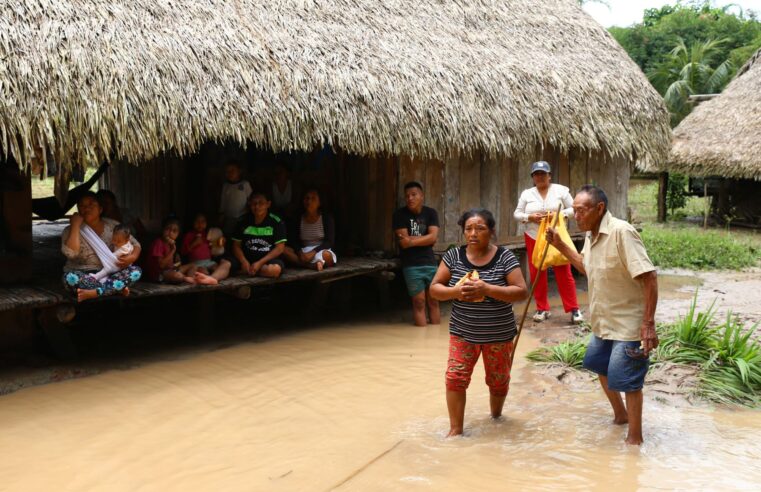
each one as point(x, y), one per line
point(85, 242)
point(313, 236)
point(259, 240)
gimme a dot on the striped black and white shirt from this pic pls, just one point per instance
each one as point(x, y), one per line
point(490, 321)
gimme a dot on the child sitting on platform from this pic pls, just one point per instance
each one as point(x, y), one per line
point(200, 247)
point(163, 263)
point(259, 240)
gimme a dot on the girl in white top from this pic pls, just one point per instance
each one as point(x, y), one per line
point(533, 206)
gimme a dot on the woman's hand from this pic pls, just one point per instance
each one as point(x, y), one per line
point(473, 290)
point(537, 217)
point(76, 220)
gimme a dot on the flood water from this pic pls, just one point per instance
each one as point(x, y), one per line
point(353, 406)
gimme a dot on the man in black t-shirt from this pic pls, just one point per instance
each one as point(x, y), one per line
point(416, 228)
point(259, 240)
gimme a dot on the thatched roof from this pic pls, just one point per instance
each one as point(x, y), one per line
point(129, 79)
point(723, 136)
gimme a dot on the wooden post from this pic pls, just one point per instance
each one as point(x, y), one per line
point(663, 184)
point(705, 204)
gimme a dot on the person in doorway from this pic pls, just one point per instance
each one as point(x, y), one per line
point(234, 199)
point(482, 319)
point(533, 205)
point(312, 236)
point(283, 193)
point(259, 240)
point(416, 228)
point(623, 293)
point(85, 244)
point(112, 210)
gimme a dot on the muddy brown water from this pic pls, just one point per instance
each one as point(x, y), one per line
point(353, 406)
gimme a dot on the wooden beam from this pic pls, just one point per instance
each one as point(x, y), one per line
point(663, 184)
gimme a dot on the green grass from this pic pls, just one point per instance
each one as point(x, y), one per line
point(698, 249)
point(569, 353)
point(726, 354)
point(42, 188)
point(643, 200)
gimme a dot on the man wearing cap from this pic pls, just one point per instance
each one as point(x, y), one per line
point(533, 206)
point(623, 293)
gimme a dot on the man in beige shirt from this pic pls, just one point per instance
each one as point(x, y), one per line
point(623, 293)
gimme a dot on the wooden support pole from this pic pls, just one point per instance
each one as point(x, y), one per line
point(663, 184)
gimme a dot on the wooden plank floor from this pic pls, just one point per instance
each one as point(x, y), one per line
point(45, 289)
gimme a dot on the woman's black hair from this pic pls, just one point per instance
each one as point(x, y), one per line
point(89, 194)
point(480, 212)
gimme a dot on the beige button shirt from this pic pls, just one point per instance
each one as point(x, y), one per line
point(612, 260)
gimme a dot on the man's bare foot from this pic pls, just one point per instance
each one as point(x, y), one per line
point(86, 294)
point(124, 292)
point(621, 419)
point(204, 279)
point(634, 441)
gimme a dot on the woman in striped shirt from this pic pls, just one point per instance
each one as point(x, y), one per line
point(482, 319)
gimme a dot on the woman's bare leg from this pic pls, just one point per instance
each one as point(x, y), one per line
point(456, 407)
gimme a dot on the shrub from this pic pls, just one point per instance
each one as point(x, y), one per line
point(698, 249)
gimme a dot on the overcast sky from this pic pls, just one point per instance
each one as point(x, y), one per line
point(627, 12)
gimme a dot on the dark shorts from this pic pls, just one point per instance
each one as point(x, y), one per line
point(418, 278)
point(235, 264)
point(622, 362)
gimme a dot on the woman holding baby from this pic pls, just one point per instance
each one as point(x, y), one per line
point(482, 319)
point(92, 269)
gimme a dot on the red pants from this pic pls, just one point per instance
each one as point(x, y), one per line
point(463, 357)
point(564, 277)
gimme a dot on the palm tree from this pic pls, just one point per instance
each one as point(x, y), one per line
point(687, 71)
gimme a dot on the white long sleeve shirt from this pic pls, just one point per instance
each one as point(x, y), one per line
point(532, 202)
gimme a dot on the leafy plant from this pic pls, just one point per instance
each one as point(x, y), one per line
point(676, 195)
point(569, 353)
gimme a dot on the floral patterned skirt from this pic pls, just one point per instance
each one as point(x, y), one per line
point(113, 284)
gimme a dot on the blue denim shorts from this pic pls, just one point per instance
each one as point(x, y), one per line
point(623, 363)
point(418, 278)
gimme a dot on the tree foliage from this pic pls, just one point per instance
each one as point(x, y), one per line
point(650, 42)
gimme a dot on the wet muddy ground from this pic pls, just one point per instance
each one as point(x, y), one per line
point(351, 400)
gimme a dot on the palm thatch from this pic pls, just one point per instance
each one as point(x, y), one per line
point(723, 136)
point(99, 80)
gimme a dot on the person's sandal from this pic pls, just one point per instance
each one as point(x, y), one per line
point(540, 316)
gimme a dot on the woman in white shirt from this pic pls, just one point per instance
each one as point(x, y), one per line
point(533, 205)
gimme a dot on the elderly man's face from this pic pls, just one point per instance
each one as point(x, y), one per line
point(586, 212)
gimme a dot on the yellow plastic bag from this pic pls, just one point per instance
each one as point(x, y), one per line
point(554, 257)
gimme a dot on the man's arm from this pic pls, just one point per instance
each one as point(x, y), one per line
point(574, 256)
point(649, 283)
point(407, 241)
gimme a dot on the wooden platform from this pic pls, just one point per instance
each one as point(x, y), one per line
point(39, 296)
point(46, 291)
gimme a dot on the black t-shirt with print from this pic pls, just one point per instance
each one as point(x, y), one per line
point(416, 225)
point(257, 240)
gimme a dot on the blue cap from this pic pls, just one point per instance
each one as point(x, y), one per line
point(541, 166)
